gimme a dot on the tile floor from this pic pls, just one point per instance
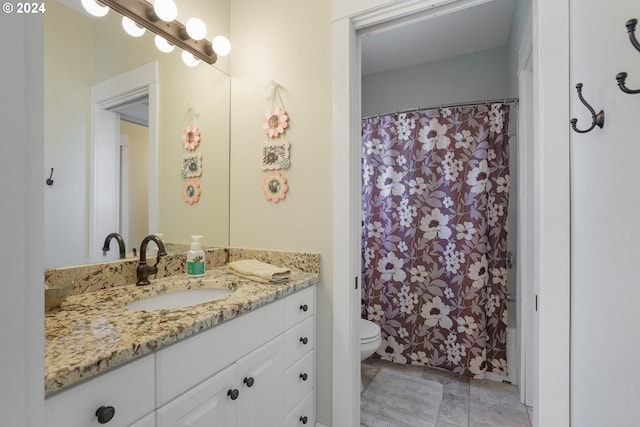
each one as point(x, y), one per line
point(465, 402)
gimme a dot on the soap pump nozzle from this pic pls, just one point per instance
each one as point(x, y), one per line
point(195, 243)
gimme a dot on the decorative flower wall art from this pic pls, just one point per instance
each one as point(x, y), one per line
point(274, 187)
point(191, 191)
point(275, 121)
point(191, 165)
point(274, 155)
point(191, 137)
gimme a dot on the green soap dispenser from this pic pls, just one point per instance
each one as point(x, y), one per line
point(195, 258)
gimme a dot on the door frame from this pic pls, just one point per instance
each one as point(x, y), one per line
point(103, 145)
point(526, 297)
point(550, 216)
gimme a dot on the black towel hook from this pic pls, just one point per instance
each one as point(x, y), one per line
point(598, 119)
point(49, 180)
point(622, 77)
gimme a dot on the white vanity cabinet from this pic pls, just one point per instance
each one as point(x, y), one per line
point(255, 370)
point(207, 403)
point(261, 386)
point(300, 359)
point(148, 421)
point(243, 394)
point(127, 393)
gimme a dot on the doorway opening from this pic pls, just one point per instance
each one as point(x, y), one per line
point(132, 98)
point(348, 300)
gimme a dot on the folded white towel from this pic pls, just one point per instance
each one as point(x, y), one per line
point(259, 271)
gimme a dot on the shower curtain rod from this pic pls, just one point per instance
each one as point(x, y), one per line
point(458, 104)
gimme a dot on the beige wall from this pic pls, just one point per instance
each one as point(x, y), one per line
point(289, 42)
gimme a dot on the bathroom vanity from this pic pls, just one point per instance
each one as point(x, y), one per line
point(245, 360)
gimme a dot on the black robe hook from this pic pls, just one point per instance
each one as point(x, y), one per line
point(631, 30)
point(622, 77)
point(598, 119)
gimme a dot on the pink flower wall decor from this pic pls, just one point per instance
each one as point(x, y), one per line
point(191, 137)
point(191, 191)
point(275, 121)
point(274, 187)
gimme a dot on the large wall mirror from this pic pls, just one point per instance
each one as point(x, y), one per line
point(82, 53)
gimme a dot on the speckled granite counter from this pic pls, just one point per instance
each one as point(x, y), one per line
point(93, 332)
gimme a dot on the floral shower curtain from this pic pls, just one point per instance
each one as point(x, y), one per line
point(434, 199)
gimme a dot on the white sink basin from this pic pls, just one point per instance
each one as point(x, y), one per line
point(179, 299)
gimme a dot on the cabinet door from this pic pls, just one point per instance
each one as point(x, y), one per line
point(148, 421)
point(260, 380)
point(207, 404)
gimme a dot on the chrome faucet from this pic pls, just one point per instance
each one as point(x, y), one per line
point(119, 239)
point(144, 271)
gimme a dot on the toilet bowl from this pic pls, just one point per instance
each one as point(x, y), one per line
point(370, 338)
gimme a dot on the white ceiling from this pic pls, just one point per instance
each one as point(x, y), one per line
point(443, 36)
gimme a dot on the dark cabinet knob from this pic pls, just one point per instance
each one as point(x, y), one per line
point(233, 394)
point(303, 376)
point(105, 413)
point(303, 420)
point(304, 307)
point(249, 381)
point(304, 340)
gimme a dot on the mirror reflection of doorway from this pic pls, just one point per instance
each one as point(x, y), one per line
point(134, 185)
point(123, 193)
point(134, 170)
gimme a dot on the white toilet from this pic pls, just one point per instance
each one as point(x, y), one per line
point(370, 338)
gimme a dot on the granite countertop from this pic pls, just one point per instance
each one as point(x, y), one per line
point(93, 332)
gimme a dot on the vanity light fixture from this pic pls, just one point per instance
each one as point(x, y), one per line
point(189, 59)
point(173, 32)
point(133, 29)
point(165, 9)
point(94, 8)
point(163, 45)
point(196, 29)
point(221, 45)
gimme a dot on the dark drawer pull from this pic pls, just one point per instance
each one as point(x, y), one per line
point(105, 413)
point(303, 377)
point(249, 381)
point(303, 420)
point(233, 394)
point(304, 307)
point(304, 340)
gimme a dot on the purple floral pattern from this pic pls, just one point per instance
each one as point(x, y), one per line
point(435, 191)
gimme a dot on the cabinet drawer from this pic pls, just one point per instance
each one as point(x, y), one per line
point(299, 340)
point(188, 362)
point(129, 389)
point(300, 306)
point(304, 414)
point(299, 380)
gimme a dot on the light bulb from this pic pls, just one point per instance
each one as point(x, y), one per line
point(165, 9)
point(189, 59)
point(196, 28)
point(131, 27)
point(94, 8)
point(163, 45)
point(221, 45)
